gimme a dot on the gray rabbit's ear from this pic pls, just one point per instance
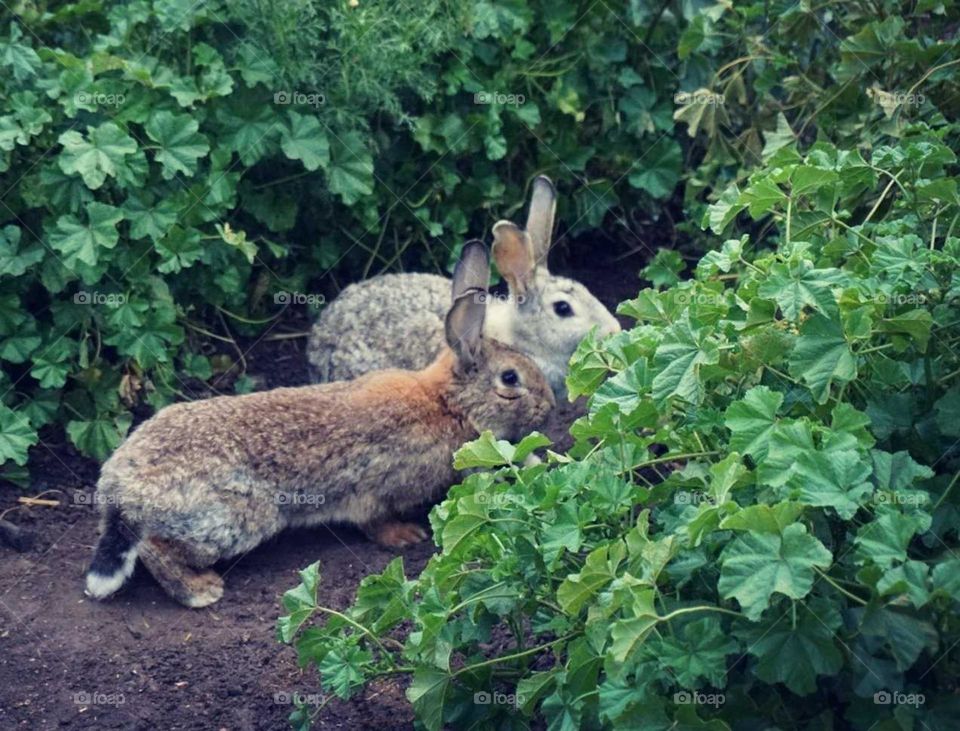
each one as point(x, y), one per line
point(472, 270)
point(464, 326)
point(543, 208)
point(513, 253)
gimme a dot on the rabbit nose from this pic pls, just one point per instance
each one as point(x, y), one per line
point(613, 328)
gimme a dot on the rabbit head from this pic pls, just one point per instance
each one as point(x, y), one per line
point(545, 315)
point(493, 385)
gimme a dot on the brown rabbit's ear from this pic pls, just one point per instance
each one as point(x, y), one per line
point(464, 326)
point(513, 253)
point(543, 208)
point(472, 270)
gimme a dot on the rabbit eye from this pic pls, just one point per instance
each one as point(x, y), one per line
point(509, 377)
point(563, 308)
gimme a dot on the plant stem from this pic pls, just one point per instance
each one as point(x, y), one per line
point(515, 656)
point(839, 588)
point(946, 492)
point(360, 627)
point(704, 608)
point(673, 457)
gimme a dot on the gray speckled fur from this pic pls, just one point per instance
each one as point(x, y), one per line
point(396, 320)
point(390, 321)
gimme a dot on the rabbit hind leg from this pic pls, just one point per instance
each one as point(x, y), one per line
point(395, 534)
point(170, 563)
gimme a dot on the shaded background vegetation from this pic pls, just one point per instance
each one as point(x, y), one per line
point(170, 169)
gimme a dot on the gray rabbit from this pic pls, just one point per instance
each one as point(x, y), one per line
point(212, 479)
point(396, 320)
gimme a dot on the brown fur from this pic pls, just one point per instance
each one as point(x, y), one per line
point(211, 479)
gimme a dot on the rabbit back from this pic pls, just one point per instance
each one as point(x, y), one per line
point(389, 321)
point(225, 474)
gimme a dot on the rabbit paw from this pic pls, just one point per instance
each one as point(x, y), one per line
point(398, 535)
point(206, 588)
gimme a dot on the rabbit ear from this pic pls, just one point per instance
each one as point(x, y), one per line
point(464, 326)
point(513, 253)
point(472, 270)
point(543, 207)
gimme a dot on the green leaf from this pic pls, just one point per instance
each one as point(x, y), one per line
point(664, 270)
point(885, 540)
point(563, 533)
point(180, 248)
point(179, 142)
point(15, 259)
point(486, 451)
point(102, 154)
point(946, 578)
point(905, 636)
point(909, 579)
point(796, 653)
point(22, 59)
point(351, 171)
point(822, 357)
point(16, 436)
point(947, 412)
point(98, 437)
point(657, 171)
point(680, 357)
point(305, 140)
point(696, 655)
point(85, 242)
point(763, 518)
point(836, 479)
point(428, 694)
point(797, 285)
point(754, 566)
point(342, 669)
point(752, 419)
point(628, 635)
point(300, 602)
point(383, 600)
point(599, 569)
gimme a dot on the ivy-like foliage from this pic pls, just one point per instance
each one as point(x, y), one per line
point(171, 171)
point(758, 523)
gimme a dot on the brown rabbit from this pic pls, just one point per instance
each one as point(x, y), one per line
point(212, 479)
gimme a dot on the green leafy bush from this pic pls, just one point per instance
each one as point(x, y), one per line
point(172, 173)
point(758, 523)
point(175, 169)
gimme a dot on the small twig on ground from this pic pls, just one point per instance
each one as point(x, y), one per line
point(23, 500)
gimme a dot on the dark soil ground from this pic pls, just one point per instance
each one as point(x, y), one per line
point(141, 661)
